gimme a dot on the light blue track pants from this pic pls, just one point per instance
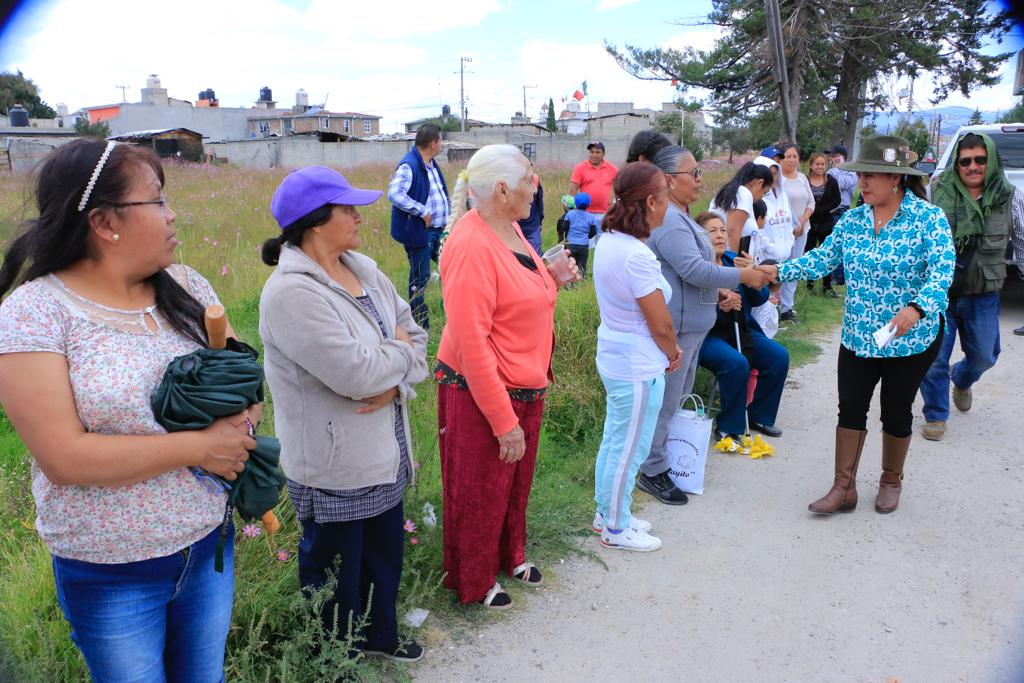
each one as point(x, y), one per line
point(631, 415)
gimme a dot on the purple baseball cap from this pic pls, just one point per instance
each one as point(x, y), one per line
point(307, 189)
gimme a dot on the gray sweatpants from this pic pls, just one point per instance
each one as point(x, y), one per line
point(677, 385)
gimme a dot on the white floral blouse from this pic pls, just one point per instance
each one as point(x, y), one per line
point(115, 362)
point(910, 260)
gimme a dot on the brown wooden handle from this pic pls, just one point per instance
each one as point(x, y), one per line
point(216, 326)
point(270, 522)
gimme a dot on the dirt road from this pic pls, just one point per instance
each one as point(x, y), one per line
point(749, 586)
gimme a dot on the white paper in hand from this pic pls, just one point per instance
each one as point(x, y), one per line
point(884, 335)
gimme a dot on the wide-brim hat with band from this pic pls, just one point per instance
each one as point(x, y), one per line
point(307, 189)
point(884, 154)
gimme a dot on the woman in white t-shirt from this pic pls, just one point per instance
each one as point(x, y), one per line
point(636, 343)
point(734, 201)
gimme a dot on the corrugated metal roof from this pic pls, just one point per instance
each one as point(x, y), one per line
point(143, 134)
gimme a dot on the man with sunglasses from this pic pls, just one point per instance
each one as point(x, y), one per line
point(983, 209)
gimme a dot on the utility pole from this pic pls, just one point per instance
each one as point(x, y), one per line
point(524, 97)
point(462, 89)
point(124, 99)
point(773, 20)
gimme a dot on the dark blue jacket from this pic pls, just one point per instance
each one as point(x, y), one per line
point(752, 298)
point(532, 224)
point(406, 228)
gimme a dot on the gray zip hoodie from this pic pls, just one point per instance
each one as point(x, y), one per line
point(322, 353)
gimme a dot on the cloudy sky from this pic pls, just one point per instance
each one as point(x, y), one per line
point(388, 57)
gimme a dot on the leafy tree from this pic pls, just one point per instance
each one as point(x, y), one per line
point(16, 89)
point(916, 133)
point(1014, 115)
point(447, 124)
point(834, 52)
point(100, 129)
point(682, 128)
point(550, 123)
point(975, 118)
point(736, 139)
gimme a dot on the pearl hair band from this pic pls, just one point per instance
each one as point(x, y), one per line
point(95, 175)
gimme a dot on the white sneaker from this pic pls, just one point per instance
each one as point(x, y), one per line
point(630, 539)
point(636, 523)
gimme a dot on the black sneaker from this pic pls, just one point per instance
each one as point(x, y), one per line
point(410, 651)
point(662, 488)
point(789, 317)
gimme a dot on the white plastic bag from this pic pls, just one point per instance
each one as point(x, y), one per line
point(767, 316)
point(689, 436)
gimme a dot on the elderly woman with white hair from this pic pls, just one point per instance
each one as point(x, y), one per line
point(493, 368)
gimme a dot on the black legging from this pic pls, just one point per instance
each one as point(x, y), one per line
point(900, 377)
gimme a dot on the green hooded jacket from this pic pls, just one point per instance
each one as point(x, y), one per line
point(981, 227)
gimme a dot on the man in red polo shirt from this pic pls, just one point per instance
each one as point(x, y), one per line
point(594, 176)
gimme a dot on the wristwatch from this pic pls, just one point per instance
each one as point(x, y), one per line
point(917, 307)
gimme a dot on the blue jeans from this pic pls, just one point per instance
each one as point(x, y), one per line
point(164, 619)
point(632, 413)
point(419, 275)
point(732, 370)
point(976, 318)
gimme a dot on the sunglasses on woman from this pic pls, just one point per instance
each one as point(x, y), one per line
point(695, 172)
point(966, 161)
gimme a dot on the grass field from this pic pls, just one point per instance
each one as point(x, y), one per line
point(223, 217)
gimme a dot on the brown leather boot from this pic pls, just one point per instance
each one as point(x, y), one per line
point(894, 454)
point(842, 497)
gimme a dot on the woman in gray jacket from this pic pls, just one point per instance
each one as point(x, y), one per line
point(342, 354)
point(699, 286)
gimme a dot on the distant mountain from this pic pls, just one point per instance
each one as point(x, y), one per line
point(952, 118)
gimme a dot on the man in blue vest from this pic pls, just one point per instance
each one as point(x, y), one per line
point(420, 212)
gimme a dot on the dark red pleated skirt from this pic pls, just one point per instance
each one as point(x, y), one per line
point(484, 498)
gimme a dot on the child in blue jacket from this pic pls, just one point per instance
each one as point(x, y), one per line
point(582, 226)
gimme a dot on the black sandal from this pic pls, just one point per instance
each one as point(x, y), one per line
point(496, 598)
point(528, 574)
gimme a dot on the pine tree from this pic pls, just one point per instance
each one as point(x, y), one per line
point(551, 115)
point(834, 51)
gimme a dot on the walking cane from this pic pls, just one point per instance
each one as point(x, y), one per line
point(217, 334)
point(746, 418)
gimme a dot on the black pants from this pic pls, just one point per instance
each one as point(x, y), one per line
point(900, 378)
point(370, 551)
point(814, 239)
point(580, 252)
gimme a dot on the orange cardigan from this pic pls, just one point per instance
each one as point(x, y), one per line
point(500, 318)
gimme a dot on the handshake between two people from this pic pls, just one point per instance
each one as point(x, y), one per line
point(755, 276)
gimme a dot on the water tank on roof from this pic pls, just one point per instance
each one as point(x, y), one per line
point(152, 81)
point(446, 111)
point(266, 95)
point(301, 98)
point(18, 116)
point(207, 94)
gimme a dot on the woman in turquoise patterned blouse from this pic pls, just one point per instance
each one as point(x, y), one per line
point(898, 255)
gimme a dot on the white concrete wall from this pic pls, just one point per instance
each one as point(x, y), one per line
point(295, 152)
point(551, 149)
point(26, 153)
point(214, 123)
